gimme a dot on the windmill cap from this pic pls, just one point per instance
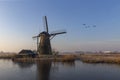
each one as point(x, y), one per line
point(44, 33)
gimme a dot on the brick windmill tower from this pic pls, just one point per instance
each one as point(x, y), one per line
point(43, 40)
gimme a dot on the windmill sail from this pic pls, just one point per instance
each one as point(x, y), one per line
point(53, 34)
point(35, 37)
point(45, 24)
point(58, 32)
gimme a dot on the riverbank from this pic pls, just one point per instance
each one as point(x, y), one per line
point(87, 58)
point(7, 55)
point(55, 58)
point(100, 58)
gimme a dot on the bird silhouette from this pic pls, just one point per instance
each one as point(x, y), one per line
point(87, 26)
point(94, 25)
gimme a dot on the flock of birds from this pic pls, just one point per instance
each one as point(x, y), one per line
point(88, 26)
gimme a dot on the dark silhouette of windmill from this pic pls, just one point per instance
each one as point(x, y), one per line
point(43, 40)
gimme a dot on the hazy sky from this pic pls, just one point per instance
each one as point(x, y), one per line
point(22, 19)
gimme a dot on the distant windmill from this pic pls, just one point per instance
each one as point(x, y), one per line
point(43, 39)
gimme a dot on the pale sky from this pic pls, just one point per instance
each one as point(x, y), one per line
point(22, 19)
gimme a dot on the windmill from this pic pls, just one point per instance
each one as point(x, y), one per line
point(43, 39)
